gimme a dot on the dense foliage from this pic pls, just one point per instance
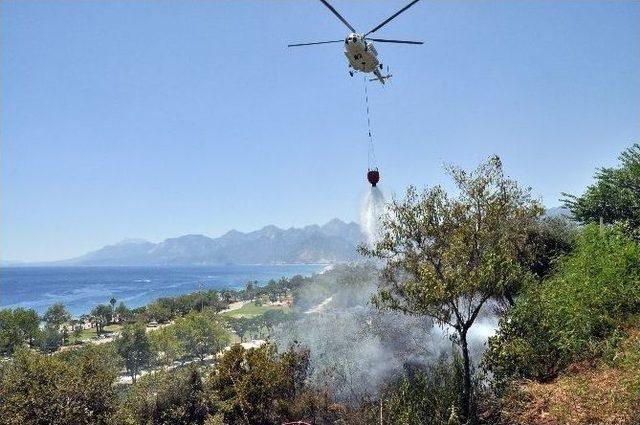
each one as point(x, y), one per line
point(201, 334)
point(166, 397)
point(615, 196)
point(430, 396)
point(257, 386)
point(547, 240)
point(568, 297)
point(249, 387)
point(445, 255)
point(74, 389)
point(135, 349)
point(18, 327)
point(573, 314)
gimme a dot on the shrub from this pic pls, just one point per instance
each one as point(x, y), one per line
point(430, 397)
point(258, 386)
point(166, 397)
point(69, 389)
point(574, 314)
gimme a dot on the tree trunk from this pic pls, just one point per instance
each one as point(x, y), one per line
point(510, 299)
point(466, 379)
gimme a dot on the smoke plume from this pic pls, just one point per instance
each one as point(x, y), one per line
point(355, 348)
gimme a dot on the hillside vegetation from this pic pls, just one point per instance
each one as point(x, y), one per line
point(401, 340)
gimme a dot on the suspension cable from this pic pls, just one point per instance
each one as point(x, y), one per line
point(371, 155)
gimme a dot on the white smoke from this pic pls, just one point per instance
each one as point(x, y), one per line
point(356, 348)
point(373, 208)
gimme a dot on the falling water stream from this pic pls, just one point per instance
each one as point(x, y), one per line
point(371, 213)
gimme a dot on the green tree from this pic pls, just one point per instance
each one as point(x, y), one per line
point(174, 397)
point(250, 290)
point(50, 339)
point(271, 318)
point(77, 330)
point(615, 195)
point(135, 349)
point(241, 326)
point(17, 327)
point(201, 334)
point(56, 315)
point(158, 312)
point(445, 256)
point(58, 390)
point(166, 346)
point(101, 316)
point(548, 240)
point(122, 312)
point(258, 386)
point(575, 314)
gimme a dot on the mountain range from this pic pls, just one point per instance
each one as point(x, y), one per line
point(335, 241)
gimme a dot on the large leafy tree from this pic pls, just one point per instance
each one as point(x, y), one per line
point(50, 339)
point(615, 195)
point(101, 316)
point(201, 334)
point(135, 349)
point(55, 332)
point(122, 312)
point(445, 255)
point(166, 346)
point(159, 312)
point(241, 326)
point(17, 327)
point(76, 389)
point(258, 386)
point(56, 315)
point(573, 313)
point(174, 397)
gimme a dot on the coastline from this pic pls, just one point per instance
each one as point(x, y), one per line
point(80, 288)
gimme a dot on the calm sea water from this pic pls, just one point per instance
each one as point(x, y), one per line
point(81, 288)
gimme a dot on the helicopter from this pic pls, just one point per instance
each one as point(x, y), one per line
point(359, 48)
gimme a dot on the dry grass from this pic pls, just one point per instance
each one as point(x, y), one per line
point(586, 394)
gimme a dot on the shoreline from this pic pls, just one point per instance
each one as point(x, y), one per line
point(56, 265)
point(146, 292)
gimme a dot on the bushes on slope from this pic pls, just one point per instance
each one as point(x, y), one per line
point(574, 314)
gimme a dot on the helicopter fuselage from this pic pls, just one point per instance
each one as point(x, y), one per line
point(358, 47)
point(361, 53)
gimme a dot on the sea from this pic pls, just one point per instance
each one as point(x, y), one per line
point(82, 288)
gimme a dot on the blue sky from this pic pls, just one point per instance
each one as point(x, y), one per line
point(156, 119)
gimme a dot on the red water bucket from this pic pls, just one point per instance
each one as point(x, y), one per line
point(373, 176)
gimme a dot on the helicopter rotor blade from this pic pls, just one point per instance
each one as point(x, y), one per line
point(338, 15)
point(390, 18)
point(384, 40)
point(316, 42)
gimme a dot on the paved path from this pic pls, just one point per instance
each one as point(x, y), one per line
point(234, 306)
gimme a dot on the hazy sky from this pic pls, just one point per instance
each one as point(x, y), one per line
point(156, 119)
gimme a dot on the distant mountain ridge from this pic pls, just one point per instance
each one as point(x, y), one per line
point(335, 241)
